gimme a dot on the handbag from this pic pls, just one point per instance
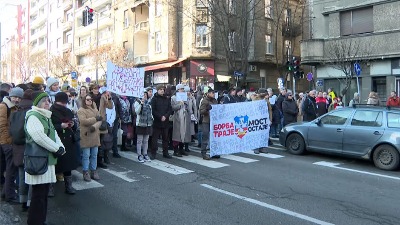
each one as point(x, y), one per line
point(36, 158)
point(103, 126)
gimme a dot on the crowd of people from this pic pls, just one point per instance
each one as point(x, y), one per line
point(82, 127)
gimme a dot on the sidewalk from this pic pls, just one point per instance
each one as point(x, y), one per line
point(9, 214)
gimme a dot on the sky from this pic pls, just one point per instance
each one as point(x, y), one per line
point(8, 17)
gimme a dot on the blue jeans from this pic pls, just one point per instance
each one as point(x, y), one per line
point(89, 158)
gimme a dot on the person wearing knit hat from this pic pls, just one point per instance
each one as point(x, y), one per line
point(160, 86)
point(38, 80)
point(52, 88)
point(16, 92)
point(39, 97)
point(179, 86)
point(61, 97)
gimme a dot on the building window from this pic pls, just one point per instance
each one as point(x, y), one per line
point(356, 21)
point(201, 3)
point(288, 48)
point(201, 36)
point(231, 41)
point(125, 44)
point(232, 7)
point(268, 9)
point(158, 7)
point(68, 37)
point(288, 16)
point(158, 41)
point(126, 19)
point(58, 43)
point(268, 45)
point(51, 27)
point(58, 22)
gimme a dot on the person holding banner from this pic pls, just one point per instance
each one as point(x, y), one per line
point(263, 95)
point(181, 121)
point(205, 107)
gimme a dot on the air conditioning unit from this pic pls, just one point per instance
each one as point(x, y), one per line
point(252, 68)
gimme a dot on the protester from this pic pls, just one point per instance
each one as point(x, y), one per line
point(161, 109)
point(40, 130)
point(331, 93)
point(72, 105)
point(95, 94)
point(309, 107)
point(116, 125)
point(103, 152)
point(9, 105)
point(194, 115)
point(289, 109)
point(355, 100)
point(126, 122)
point(205, 107)
point(4, 90)
point(321, 104)
point(373, 99)
point(230, 98)
point(393, 100)
point(278, 104)
point(81, 97)
point(336, 104)
point(37, 84)
point(90, 122)
point(181, 122)
point(263, 95)
point(52, 88)
point(144, 123)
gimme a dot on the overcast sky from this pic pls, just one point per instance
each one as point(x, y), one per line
point(8, 17)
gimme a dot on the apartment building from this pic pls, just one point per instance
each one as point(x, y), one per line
point(371, 27)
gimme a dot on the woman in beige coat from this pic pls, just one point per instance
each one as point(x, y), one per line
point(181, 123)
point(90, 121)
point(194, 115)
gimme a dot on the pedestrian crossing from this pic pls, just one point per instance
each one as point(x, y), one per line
point(167, 166)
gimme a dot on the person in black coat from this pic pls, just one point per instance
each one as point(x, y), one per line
point(309, 107)
point(230, 98)
point(161, 108)
point(289, 109)
point(62, 119)
point(115, 127)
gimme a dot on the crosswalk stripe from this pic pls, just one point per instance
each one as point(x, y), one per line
point(80, 184)
point(239, 158)
point(268, 155)
point(157, 164)
point(201, 161)
point(121, 175)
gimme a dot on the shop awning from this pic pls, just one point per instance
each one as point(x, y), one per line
point(163, 65)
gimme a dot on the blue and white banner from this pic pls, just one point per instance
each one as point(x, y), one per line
point(125, 81)
point(238, 127)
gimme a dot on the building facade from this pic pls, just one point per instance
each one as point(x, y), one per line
point(371, 34)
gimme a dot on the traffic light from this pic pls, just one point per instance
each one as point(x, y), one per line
point(90, 13)
point(296, 68)
point(84, 17)
point(289, 66)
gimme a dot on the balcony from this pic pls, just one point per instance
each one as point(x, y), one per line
point(40, 20)
point(140, 2)
point(141, 59)
point(104, 22)
point(67, 47)
point(142, 27)
point(82, 50)
point(39, 48)
point(67, 4)
point(67, 25)
point(312, 51)
point(291, 30)
point(100, 3)
point(39, 34)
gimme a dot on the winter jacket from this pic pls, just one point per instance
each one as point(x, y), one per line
point(193, 109)
point(161, 106)
point(205, 107)
point(144, 114)
point(230, 99)
point(96, 99)
point(2, 95)
point(6, 108)
point(393, 102)
point(125, 110)
point(279, 102)
point(68, 161)
point(353, 101)
point(290, 110)
point(36, 129)
point(181, 121)
point(309, 108)
point(373, 99)
point(87, 119)
point(117, 105)
point(322, 106)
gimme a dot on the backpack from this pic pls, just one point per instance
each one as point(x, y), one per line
point(17, 122)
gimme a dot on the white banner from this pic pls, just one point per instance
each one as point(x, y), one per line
point(125, 81)
point(238, 127)
point(160, 77)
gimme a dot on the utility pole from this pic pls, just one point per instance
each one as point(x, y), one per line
point(97, 48)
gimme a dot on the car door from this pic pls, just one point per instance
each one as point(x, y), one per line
point(327, 135)
point(364, 130)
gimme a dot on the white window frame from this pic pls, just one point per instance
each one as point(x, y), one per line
point(232, 7)
point(232, 41)
point(158, 41)
point(126, 19)
point(202, 35)
point(268, 45)
point(268, 9)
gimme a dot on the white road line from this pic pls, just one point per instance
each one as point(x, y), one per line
point(121, 175)
point(281, 148)
point(201, 161)
point(232, 157)
point(266, 205)
point(157, 164)
point(268, 155)
point(80, 184)
point(335, 166)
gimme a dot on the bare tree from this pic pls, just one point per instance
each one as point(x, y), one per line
point(343, 54)
point(22, 60)
point(61, 65)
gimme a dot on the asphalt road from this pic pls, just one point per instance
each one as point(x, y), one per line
point(274, 188)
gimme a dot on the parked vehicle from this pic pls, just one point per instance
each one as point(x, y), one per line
point(365, 132)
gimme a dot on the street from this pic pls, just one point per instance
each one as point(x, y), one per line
point(273, 188)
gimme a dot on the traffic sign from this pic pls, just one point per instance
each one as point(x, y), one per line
point(237, 73)
point(74, 75)
point(310, 76)
point(87, 80)
point(280, 82)
point(319, 83)
point(357, 69)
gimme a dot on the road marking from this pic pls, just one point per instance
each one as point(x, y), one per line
point(202, 162)
point(80, 184)
point(122, 175)
point(157, 164)
point(335, 165)
point(281, 148)
point(267, 155)
point(266, 205)
point(232, 157)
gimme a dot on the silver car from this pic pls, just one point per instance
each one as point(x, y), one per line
point(365, 132)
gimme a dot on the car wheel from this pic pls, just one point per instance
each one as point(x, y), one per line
point(386, 157)
point(295, 144)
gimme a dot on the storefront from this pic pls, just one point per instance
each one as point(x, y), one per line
point(164, 73)
point(201, 72)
